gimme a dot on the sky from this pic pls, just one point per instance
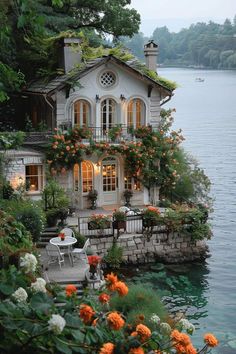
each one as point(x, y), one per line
point(177, 14)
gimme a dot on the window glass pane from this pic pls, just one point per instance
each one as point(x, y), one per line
point(87, 176)
point(81, 113)
point(34, 177)
point(76, 177)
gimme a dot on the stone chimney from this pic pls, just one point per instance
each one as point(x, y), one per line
point(150, 52)
point(69, 53)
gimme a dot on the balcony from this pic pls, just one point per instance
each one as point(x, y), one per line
point(37, 138)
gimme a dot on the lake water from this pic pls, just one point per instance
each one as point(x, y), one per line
point(206, 111)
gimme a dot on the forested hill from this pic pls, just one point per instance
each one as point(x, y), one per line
point(201, 45)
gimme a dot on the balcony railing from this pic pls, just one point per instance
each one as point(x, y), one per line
point(33, 138)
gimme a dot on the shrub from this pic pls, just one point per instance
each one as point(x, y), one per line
point(14, 237)
point(114, 256)
point(140, 300)
point(7, 190)
point(54, 196)
point(29, 213)
point(80, 239)
point(52, 217)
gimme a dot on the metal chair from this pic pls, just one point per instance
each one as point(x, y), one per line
point(54, 254)
point(81, 252)
point(68, 232)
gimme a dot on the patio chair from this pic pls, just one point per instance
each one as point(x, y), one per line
point(54, 254)
point(68, 232)
point(81, 252)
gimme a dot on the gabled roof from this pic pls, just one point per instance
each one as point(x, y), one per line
point(67, 80)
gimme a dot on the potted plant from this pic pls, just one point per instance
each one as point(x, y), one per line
point(119, 220)
point(52, 217)
point(92, 197)
point(151, 217)
point(93, 261)
point(115, 132)
point(99, 222)
point(128, 194)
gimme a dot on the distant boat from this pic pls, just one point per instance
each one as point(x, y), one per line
point(199, 79)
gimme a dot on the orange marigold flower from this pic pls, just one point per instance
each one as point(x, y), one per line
point(136, 351)
point(115, 321)
point(121, 288)
point(211, 340)
point(134, 334)
point(184, 339)
point(86, 313)
point(176, 335)
point(70, 290)
point(180, 348)
point(104, 298)
point(94, 323)
point(111, 279)
point(143, 331)
point(190, 349)
point(107, 348)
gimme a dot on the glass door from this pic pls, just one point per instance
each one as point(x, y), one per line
point(109, 181)
point(108, 111)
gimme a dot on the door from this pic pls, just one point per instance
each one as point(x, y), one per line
point(108, 112)
point(109, 181)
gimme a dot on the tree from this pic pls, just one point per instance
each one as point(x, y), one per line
point(27, 25)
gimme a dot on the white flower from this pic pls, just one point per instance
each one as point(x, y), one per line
point(155, 319)
point(39, 285)
point(165, 328)
point(28, 262)
point(188, 326)
point(124, 209)
point(20, 295)
point(56, 324)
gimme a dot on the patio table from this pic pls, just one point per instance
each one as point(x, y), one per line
point(67, 242)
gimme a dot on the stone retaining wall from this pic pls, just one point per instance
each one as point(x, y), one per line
point(167, 248)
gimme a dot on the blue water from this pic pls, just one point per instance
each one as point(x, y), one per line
point(206, 111)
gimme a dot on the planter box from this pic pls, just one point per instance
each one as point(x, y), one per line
point(119, 225)
point(93, 226)
point(150, 223)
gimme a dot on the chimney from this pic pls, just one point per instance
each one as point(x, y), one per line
point(69, 54)
point(150, 52)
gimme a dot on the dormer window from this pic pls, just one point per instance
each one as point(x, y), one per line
point(81, 113)
point(107, 79)
point(136, 113)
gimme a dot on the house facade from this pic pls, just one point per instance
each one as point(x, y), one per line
point(109, 96)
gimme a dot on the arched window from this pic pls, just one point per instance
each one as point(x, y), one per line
point(108, 113)
point(82, 113)
point(83, 177)
point(136, 113)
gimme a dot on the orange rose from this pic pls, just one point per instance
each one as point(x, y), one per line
point(121, 288)
point(211, 340)
point(115, 321)
point(190, 349)
point(86, 313)
point(104, 298)
point(107, 348)
point(70, 290)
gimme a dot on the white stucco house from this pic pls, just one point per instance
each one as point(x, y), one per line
point(101, 94)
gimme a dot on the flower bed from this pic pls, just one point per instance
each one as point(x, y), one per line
point(99, 222)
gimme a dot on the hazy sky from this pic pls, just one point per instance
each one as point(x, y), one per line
point(176, 14)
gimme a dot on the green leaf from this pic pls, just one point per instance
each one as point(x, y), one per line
point(72, 320)
point(63, 348)
point(41, 302)
point(6, 289)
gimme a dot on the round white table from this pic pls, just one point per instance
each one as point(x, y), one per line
point(67, 242)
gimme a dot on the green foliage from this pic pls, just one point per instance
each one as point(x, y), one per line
point(54, 195)
point(14, 236)
point(29, 213)
point(139, 301)
point(114, 256)
point(11, 140)
point(7, 191)
point(10, 81)
point(209, 45)
point(80, 238)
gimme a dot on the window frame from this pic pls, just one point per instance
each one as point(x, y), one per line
point(79, 179)
point(132, 114)
point(80, 113)
point(39, 176)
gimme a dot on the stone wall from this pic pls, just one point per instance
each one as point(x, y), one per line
point(167, 248)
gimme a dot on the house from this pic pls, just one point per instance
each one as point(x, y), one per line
point(103, 94)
